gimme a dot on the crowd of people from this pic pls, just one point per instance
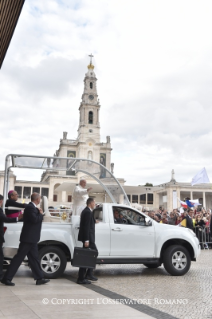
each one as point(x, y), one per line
point(199, 220)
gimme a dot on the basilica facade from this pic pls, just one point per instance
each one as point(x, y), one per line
point(58, 185)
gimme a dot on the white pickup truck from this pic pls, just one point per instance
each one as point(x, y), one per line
point(137, 239)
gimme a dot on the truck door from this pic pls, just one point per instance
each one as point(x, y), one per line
point(75, 224)
point(102, 231)
point(129, 236)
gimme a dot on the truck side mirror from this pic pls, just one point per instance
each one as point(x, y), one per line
point(148, 222)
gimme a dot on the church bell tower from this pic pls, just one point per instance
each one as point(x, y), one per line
point(89, 127)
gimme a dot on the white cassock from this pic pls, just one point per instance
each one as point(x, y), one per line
point(80, 196)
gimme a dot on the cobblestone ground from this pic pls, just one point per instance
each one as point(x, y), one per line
point(139, 282)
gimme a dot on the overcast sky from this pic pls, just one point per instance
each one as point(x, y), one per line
point(153, 61)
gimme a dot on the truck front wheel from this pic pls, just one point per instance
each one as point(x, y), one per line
point(53, 261)
point(176, 260)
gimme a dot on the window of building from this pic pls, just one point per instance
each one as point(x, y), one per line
point(18, 189)
point(54, 198)
point(90, 117)
point(135, 199)
point(36, 190)
point(143, 199)
point(91, 85)
point(69, 198)
point(129, 197)
point(45, 192)
point(27, 192)
point(149, 198)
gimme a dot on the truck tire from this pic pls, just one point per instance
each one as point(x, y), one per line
point(156, 265)
point(53, 261)
point(176, 260)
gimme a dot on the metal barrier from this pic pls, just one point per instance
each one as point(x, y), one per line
point(204, 235)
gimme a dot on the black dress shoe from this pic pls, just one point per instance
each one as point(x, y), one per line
point(7, 282)
point(42, 281)
point(91, 277)
point(83, 282)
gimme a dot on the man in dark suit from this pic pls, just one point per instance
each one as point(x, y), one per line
point(189, 219)
point(87, 236)
point(30, 236)
point(4, 219)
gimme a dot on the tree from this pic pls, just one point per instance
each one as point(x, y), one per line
point(149, 184)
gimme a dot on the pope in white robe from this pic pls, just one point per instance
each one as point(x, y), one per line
point(80, 196)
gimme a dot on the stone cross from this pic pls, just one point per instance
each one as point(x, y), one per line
point(91, 56)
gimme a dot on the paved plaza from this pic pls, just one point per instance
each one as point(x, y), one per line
point(148, 293)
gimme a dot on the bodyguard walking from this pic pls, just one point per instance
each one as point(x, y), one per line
point(4, 219)
point(87, 236)
point(30, 236)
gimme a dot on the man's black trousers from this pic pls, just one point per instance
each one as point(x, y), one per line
point(31, 251)
point(1, 260)
point(83, 272)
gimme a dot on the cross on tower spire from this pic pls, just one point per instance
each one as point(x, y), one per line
point(91, 56)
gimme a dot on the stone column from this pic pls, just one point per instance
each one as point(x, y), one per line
point(51, 193)
point(63, 196)
point(178, 194)
point(169, 199)
point(121, 199)
point(191, 195)
point(156, 203)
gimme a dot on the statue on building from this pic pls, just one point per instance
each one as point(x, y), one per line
point(108, 139)
point(112, 168)
point(65, 135)
point(48, 161)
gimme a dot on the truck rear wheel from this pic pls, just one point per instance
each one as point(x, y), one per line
point(53, 261)
point(177, 260)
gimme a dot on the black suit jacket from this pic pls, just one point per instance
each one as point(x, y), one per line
point(13, 203)
point(32, 224)
point(87, 226)
point(4, 219)
point(189, 222)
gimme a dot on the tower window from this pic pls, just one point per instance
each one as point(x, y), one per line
point(91, 85)
point(90, 117)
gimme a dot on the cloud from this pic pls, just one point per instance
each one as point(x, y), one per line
point(153, 64)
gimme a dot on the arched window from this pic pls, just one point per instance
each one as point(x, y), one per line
point(91, 85)
point(90, 117)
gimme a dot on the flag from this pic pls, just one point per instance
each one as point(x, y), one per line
point(195, 202)
point(200, 178)
point(188, 202)
point(183, 204)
